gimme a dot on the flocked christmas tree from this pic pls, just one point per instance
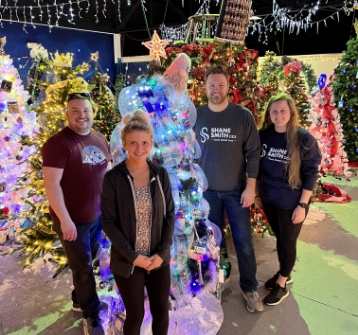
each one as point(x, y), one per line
point(345, 86)
point(327, 129)
point(40, 74)
point(17, 124)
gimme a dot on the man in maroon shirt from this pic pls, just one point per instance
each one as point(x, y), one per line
point(74, 163)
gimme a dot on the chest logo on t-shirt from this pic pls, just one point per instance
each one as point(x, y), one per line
point(275, 154)
point(217, 134)
point(93, 155)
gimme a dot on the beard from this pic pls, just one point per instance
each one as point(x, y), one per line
point(217, 99)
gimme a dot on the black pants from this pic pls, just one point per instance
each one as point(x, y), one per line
point(80, 254)
point(286, 236)
point(131, 289)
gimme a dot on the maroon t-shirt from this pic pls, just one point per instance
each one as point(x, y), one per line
point(84, 159)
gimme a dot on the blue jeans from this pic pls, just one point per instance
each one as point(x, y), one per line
point(80, 254)
point(240, 226)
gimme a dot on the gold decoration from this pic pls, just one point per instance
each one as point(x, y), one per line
point(78, 85)
point(95, 56)
point(355, 24)
point(105, 77)
point(156, 47)
point(62, 60)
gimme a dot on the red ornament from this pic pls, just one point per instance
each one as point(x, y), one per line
point(6, 210)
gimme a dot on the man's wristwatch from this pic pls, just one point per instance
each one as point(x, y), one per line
point(303, 205)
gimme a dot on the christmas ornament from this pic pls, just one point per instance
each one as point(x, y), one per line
point(95, 56)
point(322, 80)
point(13, 107)
point(7, 82)
point(156, 47)
point(2, 186)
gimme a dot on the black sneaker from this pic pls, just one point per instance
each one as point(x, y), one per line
point(269, 284)
point(93, 326)
point(276, 295)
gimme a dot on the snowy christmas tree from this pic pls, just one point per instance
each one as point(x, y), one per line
point(327, 129)
point(17, 124)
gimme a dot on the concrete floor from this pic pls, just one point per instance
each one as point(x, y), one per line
point(323, 299)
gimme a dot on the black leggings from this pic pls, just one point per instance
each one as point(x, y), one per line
point(131, 289)
point(286, 236)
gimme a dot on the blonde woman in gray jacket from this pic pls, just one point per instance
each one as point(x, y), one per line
point(138, 217)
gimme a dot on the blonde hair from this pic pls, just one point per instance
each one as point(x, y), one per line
point(292, 138)
point(139, 120)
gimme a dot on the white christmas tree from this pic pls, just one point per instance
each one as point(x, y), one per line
point(16, 124)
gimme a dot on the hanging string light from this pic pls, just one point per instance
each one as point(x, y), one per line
point(281, 19)
point(179, 33)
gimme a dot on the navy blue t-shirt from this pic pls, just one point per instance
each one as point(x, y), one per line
point(273, 176)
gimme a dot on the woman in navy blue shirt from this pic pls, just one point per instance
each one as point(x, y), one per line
point(288, 173)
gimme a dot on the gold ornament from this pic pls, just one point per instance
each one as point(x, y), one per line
point(105, 77)
point(156, 47)
point(62, 60)
point(95, 56)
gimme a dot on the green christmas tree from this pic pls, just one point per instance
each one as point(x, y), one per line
point(345, 86)
point(240, 62)
point(106, 117)
point(296, 88)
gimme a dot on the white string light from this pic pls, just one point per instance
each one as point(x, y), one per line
point(31, 17)
point(282, 20)
point(57, 15)
point(17, 16)
point(24, 26)
point(119, 10)
point(179, 33)
point(79, 9)
point(104, 8)
point(41, 12)
point(96, 15)
point(48, 16)
point(71, 12)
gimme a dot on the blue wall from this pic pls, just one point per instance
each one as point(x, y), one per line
point(80, 43)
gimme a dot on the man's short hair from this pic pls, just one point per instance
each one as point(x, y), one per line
point(218, 69)
point(81, 96)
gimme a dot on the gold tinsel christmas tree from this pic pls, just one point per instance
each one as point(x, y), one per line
point(39, 239)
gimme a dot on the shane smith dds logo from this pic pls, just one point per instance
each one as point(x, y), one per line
point(221, 134)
